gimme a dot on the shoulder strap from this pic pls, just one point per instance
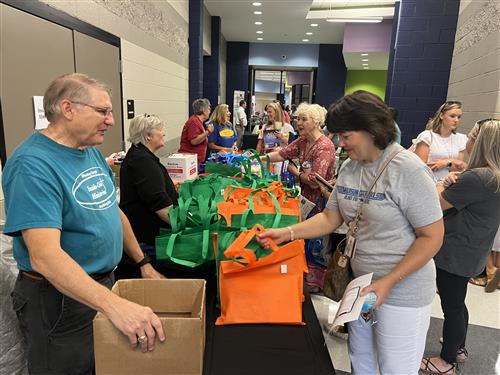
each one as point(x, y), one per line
point(380, 172)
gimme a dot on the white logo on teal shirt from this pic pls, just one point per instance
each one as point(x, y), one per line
point(94, 190)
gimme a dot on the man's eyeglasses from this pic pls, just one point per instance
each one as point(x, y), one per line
point(103, 111)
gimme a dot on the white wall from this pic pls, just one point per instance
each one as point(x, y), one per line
point(222, 66)
point(475, 70)
point(158, 86)
point(154, 49)
point(207, 32)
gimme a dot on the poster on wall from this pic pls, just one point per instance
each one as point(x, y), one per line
point(238, 95)
point(41, 121)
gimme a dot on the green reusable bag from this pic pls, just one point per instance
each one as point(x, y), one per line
point(222, 169)
point(208, 186)
point(187, 247)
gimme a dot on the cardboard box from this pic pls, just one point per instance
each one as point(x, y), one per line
point(181, 167)
point(180, 305)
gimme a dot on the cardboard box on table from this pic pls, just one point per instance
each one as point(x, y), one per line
point(181, 167)
point(180, 305)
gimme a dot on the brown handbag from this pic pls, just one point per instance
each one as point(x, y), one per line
point(338, 272)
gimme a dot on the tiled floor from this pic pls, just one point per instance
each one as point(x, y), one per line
point(484, 310)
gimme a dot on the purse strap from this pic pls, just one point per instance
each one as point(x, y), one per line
point(365, 199)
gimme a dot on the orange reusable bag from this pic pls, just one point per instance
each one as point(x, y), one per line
point(265, 290)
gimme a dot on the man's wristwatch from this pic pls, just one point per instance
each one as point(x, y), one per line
point(144, 261)
point(449, 164)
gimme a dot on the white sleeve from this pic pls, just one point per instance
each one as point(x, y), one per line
point(462, 141)
point(287, 128)
point(425, 137)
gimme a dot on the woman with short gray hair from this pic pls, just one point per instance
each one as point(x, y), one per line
point(146, 190)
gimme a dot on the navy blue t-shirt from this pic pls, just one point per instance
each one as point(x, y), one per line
point(223, 135)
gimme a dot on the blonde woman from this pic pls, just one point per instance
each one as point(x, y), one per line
point(224, 136)
point(275, 132)
point(471, 204)
point(316, 155)
point(440, 146)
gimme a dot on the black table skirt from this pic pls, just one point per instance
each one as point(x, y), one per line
point(262, 349)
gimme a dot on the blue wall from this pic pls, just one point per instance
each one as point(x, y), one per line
point(422, 62)
point(331, 75)
point(297, 55)
point(211, 65)
point(236, 70)
point(195, 51)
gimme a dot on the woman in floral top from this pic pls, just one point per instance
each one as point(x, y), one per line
point(316, 154)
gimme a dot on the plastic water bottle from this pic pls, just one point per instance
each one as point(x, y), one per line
point(367, 308)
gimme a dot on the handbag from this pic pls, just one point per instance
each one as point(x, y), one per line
point(338, 272)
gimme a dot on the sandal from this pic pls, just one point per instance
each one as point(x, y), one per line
point(462, 353)
point(493, 283)
point(427, 366)
point(479, 281)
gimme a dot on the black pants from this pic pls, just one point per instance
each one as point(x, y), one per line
point(57, 329)
point(452, 290)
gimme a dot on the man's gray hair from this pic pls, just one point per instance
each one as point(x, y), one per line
point(142, 126)
point(74, 87)
point(200, 105)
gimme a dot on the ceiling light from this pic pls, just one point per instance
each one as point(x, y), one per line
point(305, 40)
point(365, 59)
point(260, 38)
point(356, 20)
point(314, 25)
point(309, 33)
point(365, 64)
point(258, 23)
point(256, 4)
point(365, 67)
point(260, 32)
point(257, 12)
point(364, 54)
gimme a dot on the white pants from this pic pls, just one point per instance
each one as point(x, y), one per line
point(394, 345)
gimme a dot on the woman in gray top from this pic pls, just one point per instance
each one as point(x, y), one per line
point(471, 201)
point(400, 231)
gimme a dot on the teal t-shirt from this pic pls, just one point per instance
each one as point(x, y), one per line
point(48, 185)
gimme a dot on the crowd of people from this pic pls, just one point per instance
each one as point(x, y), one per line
point(417, 218)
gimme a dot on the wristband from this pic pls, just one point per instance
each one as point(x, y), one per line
point(291, 233)
point(144, 261)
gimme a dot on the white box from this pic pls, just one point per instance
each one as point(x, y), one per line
point(181, 167)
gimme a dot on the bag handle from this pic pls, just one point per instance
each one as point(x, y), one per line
point(237, 250)
point(277, 218)
point(183, 262)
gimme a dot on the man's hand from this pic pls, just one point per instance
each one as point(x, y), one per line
point(137, 322)
point(148, 272)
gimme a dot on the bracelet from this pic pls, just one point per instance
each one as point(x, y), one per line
point(292, 237)
point(143, 261)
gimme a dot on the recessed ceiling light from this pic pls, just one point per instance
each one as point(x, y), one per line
point(305, 40)
point(364, 54)
point(258, 23)
point(257, 12)
point(256, 4)
point(314, 25)
point(260, 32)
point(260, 38)
point(309, 33)
point(365, 60)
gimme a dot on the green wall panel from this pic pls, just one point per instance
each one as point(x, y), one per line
point(369, 80)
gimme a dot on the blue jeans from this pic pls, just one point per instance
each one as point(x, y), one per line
point(57, 329)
